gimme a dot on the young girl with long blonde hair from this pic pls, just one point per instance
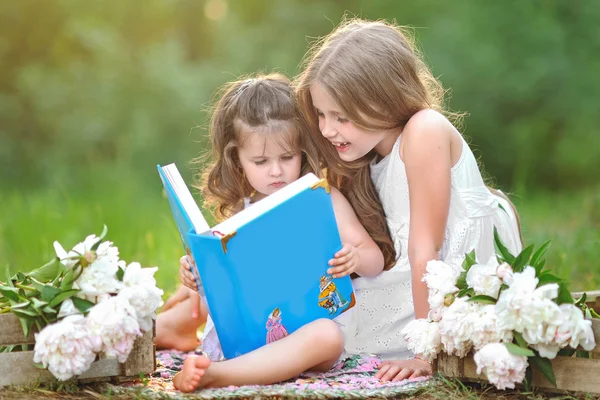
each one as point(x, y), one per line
point(377, 112)
point(260, 144)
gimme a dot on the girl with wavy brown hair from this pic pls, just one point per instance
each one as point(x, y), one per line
point(259, 144)
point(376, 112)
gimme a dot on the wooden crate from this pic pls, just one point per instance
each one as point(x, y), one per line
point(16, 368)
point(572, 374)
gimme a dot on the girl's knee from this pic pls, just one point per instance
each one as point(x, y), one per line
point(328, 335)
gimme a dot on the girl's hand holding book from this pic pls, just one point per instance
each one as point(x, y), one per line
point(345, 261)
point(185, 272)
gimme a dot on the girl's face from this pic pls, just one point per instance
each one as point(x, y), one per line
point(350, 141)
point(268, 165)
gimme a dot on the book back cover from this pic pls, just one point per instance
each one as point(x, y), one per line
point(275, 267)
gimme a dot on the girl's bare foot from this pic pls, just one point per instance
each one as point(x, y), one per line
point(191, 376)
point(176, 328)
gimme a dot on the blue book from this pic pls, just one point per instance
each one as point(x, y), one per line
point(264, 269)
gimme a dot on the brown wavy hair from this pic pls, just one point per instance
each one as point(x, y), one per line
point(374, 72)
point(266, 104)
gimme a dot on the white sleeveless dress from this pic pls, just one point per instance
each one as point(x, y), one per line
point(385, 303)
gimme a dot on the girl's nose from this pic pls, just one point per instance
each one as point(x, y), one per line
point(327, 129)
point(275, 169)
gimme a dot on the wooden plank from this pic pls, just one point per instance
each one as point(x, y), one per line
point(17, 369)
point(572, 374)
point(142, 359)
point(12, 332)
point(596, 329)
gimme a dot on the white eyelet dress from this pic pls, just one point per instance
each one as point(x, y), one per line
point(385, 303)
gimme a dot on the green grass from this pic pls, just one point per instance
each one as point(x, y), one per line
point(572, 221)
point(141, 225)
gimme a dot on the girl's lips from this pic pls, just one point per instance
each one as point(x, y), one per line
point(342, 147)
point(277, 184)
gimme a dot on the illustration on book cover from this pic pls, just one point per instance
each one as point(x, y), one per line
point(330, 297)
point(275, 328)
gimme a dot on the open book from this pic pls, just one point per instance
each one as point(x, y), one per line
point(263, 270)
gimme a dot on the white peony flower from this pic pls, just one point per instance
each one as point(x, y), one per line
point(97, 279)
point(141, 292)
point(505, 272)
point(569, 329)
point(501, 368)
point(456, 327)
point(114, 320)
point(423, 338)
point(527, 309)
point(106, 252)
point(441, 280)
point(99, 266)
point(483, 279)
point(485, 329)
point(470, 324)
point(135, 275)
point(67, 347)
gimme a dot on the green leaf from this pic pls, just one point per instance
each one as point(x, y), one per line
point(522, 259)
point(120, 274)
point(506, 255)
point(518, 350)
point(9, 281)
point(537, 256)
point(566, 352)
point(49, 292)
point(10, 293)
point(7, 349)
point(27, 314)
point(82, 304)
point(540, 265)
point(62, 296)
point(38, 304)
point(461, 283)
point(483, 299)
point(594, 313)
point(582, 354)
point(581, 301)
point(564, 295)
point(48, 272)
point(528, 378)
point(545, 367)
point(26, 324)
point(465, 292)
point(546, 278)
point(520, 340)
point(39, 365)
point(469, 261)
point(20, 305)
point(49, 310)
point(67, 281)
point(102, 236)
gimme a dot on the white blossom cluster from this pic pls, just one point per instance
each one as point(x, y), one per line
point(516, 305)
point(123, 309)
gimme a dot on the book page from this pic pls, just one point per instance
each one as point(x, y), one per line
point(185, 197)
point(264, 205)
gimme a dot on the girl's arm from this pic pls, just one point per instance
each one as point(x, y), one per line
point(426, 154)
point(359, 254)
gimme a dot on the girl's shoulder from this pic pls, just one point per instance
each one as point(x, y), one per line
point(427, 122)
point(427, 132)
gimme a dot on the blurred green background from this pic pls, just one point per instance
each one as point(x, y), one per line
point(94, 94)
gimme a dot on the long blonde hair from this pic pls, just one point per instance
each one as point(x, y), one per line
point(374, 72)
point(266, 102)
